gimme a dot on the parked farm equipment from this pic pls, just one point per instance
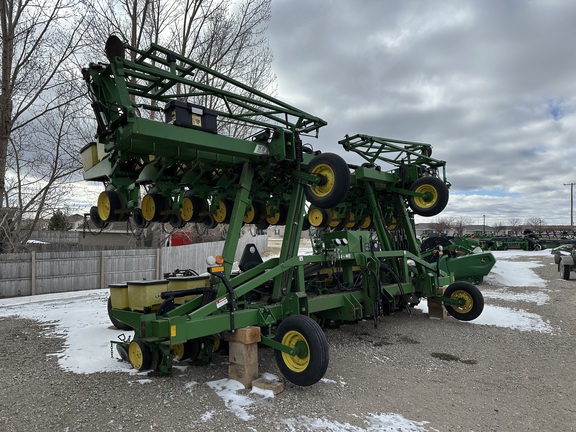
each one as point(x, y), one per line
point(460, 256)
point(564, 257)
point(162, 132)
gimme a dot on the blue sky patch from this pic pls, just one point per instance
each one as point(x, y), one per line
point(556, 109)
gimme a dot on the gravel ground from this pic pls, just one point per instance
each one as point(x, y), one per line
point(443, 375)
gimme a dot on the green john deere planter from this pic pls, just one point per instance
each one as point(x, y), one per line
point(163, 156)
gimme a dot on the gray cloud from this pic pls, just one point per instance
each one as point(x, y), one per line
point(488, 83)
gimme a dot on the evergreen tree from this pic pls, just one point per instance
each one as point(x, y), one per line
point(58, 222)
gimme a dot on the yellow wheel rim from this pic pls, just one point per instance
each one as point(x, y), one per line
point(392, 224)
point(316, 217)
point(104, 206)
point(187, 210)
point(334, 220)
point(135, 355)
point(216, 343)
point(178, 351)
point(221, 212)
point(293, 362)
point(351, 222)
point(468, 301)
point(327, 173)
point(366, 222)
point(250, 214)
point(148, 208)
point(430, 196)
point(274, 219)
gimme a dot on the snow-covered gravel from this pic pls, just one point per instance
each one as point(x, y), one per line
point(512, 369)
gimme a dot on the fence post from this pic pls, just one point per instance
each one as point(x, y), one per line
point(33, 273)
point(158, 263)
point(103, 269)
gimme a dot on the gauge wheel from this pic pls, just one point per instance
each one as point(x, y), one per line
point(276, 215)
point(255, 212)
point(432, 196)
point(139, 354)
point(95, 218)
point(566, 272)
point(193, 208)
point(473, 301)
point(176, 221)
point(224, 211)
point(110, 206)
point(334, 176)
point(335, 222)
point(392, 224)
point(186, 350)
point(351, 221)
point(318, 217)
point(118, 324)
point(209, 222)
point(152, 207)
point(138, 218)
point(310, 362)
point(262, 225)
point(365, 222)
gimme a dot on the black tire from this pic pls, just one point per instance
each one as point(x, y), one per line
point(473, 301)
point(140, 355)
point(262, 225)
point(306, 370)
point(435, 196)
point(193, 208)
point(224, 212)
point(335, 183)
point(176, 221)
point(138, 218)
point(279, 217)
point(255, 212)
point(118, 324)
point(95, 218)
point(209, 222)
point(152, 207)
point(318, 218)
point(109, 204)
point(433, 242)
point(566, 272)
point(187, 350)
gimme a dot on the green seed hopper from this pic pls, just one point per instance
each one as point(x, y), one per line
point(180, 143)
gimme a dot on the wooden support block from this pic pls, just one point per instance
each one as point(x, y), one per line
point(436, 309)
point(265, 384)
point(243, 373)
point(243, 354)
point(246, 335)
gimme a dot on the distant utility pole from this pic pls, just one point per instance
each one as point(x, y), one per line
point(571, 204)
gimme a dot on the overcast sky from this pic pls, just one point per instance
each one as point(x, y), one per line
point(489, 83)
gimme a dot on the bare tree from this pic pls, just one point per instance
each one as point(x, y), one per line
point(515, 224)
point(459, 225)
point(39, 40)
point(498, 227)
point(535, 224)
point(442, 225)
point(223, 35)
